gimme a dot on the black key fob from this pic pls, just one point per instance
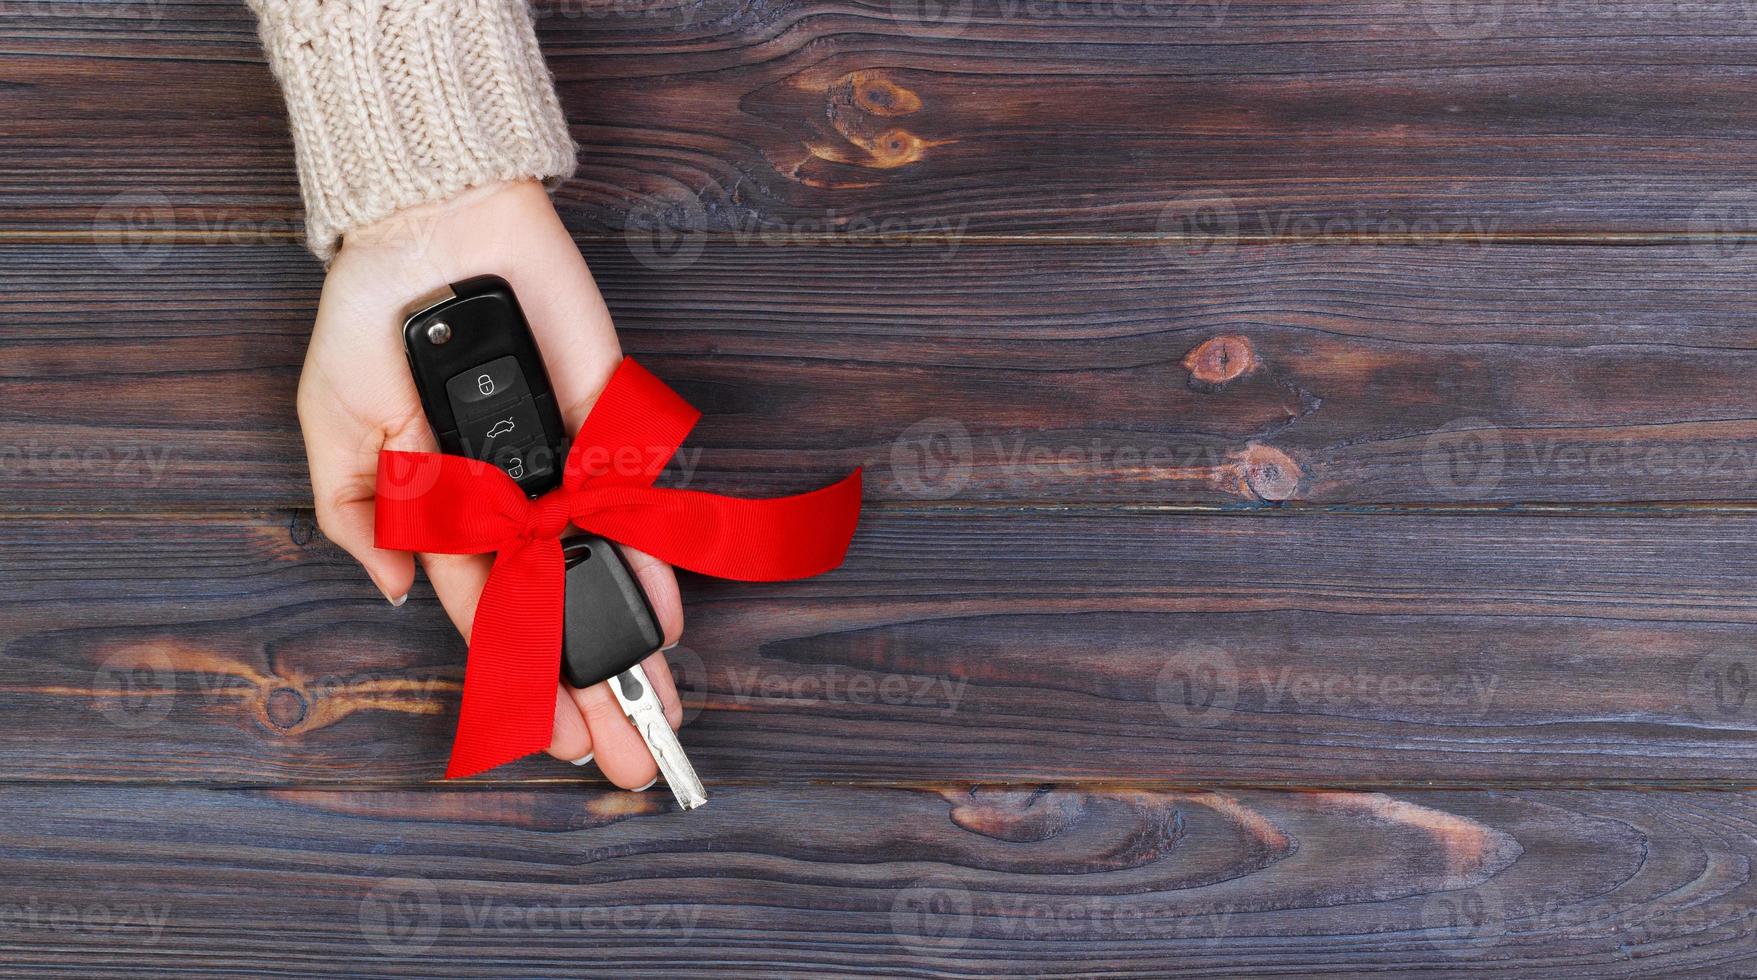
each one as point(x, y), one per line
point(609, 625)
point(487, 396)
point(482, 382)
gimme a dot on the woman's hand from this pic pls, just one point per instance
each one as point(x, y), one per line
point(356, 397)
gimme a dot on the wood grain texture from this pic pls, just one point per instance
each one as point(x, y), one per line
point(1314, 120)
point(1019, 645)
point(951, 881)
point(1325, 376)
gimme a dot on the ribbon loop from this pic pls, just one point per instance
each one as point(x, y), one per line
point(448, 504)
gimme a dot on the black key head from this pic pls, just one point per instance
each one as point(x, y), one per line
point(609, 625)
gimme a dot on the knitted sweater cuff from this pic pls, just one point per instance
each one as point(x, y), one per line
point(397, 103)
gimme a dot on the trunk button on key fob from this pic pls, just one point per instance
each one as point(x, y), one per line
point(486, 436)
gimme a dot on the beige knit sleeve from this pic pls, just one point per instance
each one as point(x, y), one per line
point(396, 103)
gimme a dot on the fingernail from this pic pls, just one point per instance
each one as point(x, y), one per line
point(643, 789)
point(582, 760)
point(670, 646)
point(399, 600)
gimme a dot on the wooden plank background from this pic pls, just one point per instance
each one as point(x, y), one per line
point(890, 882)
point(1311, 454)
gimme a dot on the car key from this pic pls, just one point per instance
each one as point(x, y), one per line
point(647, 714)
point(482, 381)
point(487, 396)
point(609, 628)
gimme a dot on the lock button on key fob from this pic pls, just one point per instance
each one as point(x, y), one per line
point(487, 388)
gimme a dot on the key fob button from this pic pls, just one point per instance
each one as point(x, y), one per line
point(512, 425)
point(526, 464)
point(485, 389)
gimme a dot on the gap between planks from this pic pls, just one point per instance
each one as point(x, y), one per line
point(1107, 784)
point(53, 236)
point(196, 513)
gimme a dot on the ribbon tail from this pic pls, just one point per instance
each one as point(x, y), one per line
point(515, 658)
point(766, 540)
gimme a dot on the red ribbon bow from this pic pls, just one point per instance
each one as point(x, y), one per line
point(448, 504)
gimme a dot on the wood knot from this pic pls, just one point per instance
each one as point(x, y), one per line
point(285, 708)
point(1221, 359)
point(860, 105)
point(1017, 815)
point(1263, 472)
point(879, 95)
point(302, 528)
point(613, 806)
point(893, 148)
point(1094, 831)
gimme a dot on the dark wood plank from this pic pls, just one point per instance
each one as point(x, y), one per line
point(992, 116)
point(1331, 376)
point(1336, 650)
point(942, 881)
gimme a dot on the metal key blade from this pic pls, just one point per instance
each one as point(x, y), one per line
point(635, 693)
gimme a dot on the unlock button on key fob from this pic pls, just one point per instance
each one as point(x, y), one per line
point(525, 462)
